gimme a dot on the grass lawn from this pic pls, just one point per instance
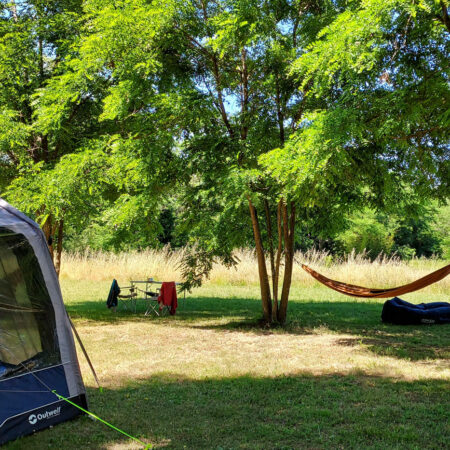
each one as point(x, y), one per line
point(209, 377)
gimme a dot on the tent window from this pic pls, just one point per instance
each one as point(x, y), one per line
point(28, 338)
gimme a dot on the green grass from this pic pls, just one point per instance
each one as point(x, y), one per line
point(209, 377)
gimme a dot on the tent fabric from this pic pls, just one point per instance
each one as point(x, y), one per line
point(364, 292)
point(37, 350)
point(399, 312)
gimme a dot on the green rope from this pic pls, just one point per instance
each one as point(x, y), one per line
point(146, 446)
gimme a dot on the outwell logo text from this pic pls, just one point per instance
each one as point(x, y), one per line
point(33, 418)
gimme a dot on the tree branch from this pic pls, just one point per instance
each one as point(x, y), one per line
point(217, 78)
point(244, 96)
point(14, 159)
point(222, 109)
point(280, 114)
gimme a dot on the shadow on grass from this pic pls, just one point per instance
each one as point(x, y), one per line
point(359, 318)
point(193, 309)
point(352, 411)
point(362, 319)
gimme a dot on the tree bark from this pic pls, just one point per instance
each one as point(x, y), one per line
point(217, 78)
point(59, 247)
point(47, 228)
point(54, 229)
point(277, 261)
point(288, 228)
point(445, 17)
point(272, 259)
point(223, 111)
point(262, 270)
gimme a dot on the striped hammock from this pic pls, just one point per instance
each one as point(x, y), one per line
point(360, 291)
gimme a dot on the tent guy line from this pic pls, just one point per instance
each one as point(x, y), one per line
point(91, 414)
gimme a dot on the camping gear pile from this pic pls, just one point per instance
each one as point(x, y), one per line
point(38, 359)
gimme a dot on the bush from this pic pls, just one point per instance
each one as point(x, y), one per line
point(368, 232)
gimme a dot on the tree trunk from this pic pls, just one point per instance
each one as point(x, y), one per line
point(277, 262)
point(47, 228)
point(262, 270)
point(59, 247)
point(272, 259)
point(289, 228)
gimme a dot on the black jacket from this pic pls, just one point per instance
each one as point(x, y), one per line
point(113, 293)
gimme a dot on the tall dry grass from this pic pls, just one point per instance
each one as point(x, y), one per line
point(165, 265)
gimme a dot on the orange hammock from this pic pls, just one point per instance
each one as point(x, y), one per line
point(360, 291)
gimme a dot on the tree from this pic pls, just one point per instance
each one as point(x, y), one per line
point(441, 228)
point(381, 68)
point(68, 193)
point(196, 91)
point(206, 91)
point(36, 38)
point(236, 56)
point(60, 161)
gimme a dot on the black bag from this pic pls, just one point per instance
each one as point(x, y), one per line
point(399, 312)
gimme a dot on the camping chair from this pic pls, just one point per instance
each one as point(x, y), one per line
point(153, 306)
point(151, 298)
point(128, 301)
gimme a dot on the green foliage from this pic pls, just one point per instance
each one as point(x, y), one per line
point(367, 233)
point(441, 228)
point(417, 236)
point(49, 157)
point(404, 235)
point(381, 70)
point(113, 112)
point(72, 189)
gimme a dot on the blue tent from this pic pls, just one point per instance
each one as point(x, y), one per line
point(37, 350)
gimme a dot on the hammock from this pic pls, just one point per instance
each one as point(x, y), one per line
point(360, 291)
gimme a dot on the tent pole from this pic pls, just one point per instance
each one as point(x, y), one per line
point(84, 352)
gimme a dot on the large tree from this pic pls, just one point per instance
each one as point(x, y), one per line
point(382, 70)
point(199, 90)
point(59, 160)
point(36, 40)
